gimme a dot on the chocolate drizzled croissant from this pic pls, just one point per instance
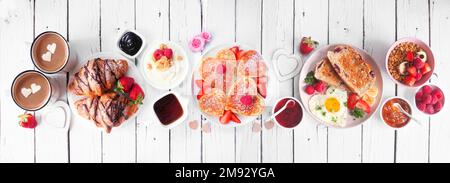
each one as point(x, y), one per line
point(97, 77)
point(107, 111)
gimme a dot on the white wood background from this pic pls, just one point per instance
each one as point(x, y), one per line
point(266, 25)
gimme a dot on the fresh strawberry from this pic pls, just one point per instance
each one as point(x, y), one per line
point(307, 45)
point(352, 99)
point(168, 53)
point(310, 90)
point(410, 80)
point(27, 121)
point(419, 76)
point(199, 83)
point(409, 56)
point(235, 118)
point(237, 52)
point(418, 63)
point(158, 54)
point(320, 86)
point(124, 84)
point(412, 71)
point(225, 119)
point(261, 80)
point(262, 90)
point(426, 68)
point(200, 94)
point(361, 104)
point(137, 95)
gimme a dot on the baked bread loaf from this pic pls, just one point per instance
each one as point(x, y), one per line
point(352, 69)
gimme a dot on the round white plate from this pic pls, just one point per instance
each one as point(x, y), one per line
point(132, 72)
point(310, 65)
point(177, 51)
point(196, 75)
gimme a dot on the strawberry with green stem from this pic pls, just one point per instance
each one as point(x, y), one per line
point(27, 120)
point(307, 45)
point(136, 95)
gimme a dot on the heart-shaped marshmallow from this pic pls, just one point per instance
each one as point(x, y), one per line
point(35, 88)
point(51, 48)
point(47, 56)
point(26, 92)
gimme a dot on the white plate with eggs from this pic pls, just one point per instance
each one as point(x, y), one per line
point(340, 117)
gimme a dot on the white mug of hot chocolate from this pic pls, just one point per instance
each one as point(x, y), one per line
point(32, 90)
point(51, 53)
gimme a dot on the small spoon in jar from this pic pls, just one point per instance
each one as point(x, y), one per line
point(287, 105)
point(398, 106)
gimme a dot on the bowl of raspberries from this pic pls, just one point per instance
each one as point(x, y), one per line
point(429, 99)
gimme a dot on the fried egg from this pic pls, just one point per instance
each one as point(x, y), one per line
point(330, 107)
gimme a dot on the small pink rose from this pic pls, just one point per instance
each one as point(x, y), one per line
point(206, 36)
point(197, 44)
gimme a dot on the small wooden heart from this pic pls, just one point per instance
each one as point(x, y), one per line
point(286, 65)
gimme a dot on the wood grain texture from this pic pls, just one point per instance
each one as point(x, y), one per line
point(219, 18)
point(412, 21)
point(116, 17)
point(185, 22)
point(84, 35)
point(16, 36)
point(265, 25)
point(278, 18)
point(345, 26)
point(153, 141)
point(439, 126)
point(310, 140)
point(379, 34)
point(51, 145)
point(248, 32)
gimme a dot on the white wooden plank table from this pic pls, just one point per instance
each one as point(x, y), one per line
point(92, 26)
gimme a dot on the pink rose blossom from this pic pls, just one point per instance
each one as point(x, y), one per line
point(197, 44)
point(206, 36)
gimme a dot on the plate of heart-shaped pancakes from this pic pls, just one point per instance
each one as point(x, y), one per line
point(230, 84)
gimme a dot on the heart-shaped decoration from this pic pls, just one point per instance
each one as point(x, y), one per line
point(35, 88)
point(51, 48)
point(26, 92)
point(47, 56)
point(286, 65)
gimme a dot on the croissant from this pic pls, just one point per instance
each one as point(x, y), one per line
point(97, 77)
point(107, 111)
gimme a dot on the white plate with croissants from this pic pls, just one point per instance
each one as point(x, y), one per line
point(106, 89)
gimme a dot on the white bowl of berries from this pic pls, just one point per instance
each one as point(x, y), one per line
point(429, 99)
point(410, 62)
